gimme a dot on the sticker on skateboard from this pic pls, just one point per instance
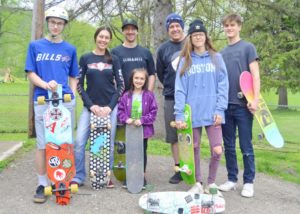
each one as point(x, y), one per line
point(262, 114)
point(181, 202)
point(186, 148)
point(99, 151)
point(59, 148)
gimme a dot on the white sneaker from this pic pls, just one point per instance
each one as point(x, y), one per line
point(229, 185)
point(214, 186)
point(248, 190)
point(197, 188)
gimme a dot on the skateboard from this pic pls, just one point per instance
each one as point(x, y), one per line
point(59, 148)
point(99, 151)
point(182, 202)
point(119, 154)
point(134, 158)
point(186, 148)
point(263, 114)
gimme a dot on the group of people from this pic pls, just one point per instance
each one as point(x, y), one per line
point(120, 83)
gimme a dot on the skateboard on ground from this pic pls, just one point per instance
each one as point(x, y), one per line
point(99, 151)
point(263, 114)
point(119, 154)
point(182, 202)
point(134, 158)
point(186, 148)
point(59, 148)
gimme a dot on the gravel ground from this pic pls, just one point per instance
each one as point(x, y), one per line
point(18, 183)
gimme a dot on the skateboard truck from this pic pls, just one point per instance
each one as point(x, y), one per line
point(120, 165)
point(184, 169)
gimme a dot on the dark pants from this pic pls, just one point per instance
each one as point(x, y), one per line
point(239, 117)
point(145, 153)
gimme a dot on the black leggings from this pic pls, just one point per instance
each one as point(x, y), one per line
point(145, 153)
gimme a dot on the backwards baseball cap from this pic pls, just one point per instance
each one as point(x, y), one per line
point(129, 22)
point(196, 26)
point(173, 17)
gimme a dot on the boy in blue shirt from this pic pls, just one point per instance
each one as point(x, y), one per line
point(50, 61)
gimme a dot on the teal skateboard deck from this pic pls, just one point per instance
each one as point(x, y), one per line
point(263, 114)
point(186, 148)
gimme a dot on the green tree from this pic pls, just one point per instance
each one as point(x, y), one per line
point(274, 27)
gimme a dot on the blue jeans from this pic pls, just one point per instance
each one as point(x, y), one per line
point(239, 117)
point(82, 136)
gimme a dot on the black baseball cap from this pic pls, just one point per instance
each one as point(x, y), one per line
point(129, 22)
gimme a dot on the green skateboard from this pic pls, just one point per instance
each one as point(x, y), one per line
point(186, 148)
point(119, 168)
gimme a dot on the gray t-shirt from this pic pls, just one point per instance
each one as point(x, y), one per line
point(237, 58)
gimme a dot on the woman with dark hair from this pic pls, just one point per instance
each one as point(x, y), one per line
point(201, 81)
point(100, 70)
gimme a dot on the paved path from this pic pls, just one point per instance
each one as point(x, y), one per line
point(17, 185)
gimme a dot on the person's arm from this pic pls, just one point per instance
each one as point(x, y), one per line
point(80, 86)
point(222, 91)
point(149, 118)
point(151, 71)
point(122, 109)
point(254, 69)
point(159, 67)
point(73, 84)
point(151, 82)
point(37, 81)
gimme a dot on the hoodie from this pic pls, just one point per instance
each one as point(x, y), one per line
point(204, 86)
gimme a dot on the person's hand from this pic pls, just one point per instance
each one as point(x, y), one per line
point(96, 110)
point(217, 120)
point(137, 123)
point(129, 121)
point(252, 106)
point(51, 86)
point(180, 124)
point(105, 111)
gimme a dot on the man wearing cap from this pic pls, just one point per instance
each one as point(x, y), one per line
point(166, 65)
point(50, 61)
point(132, 55)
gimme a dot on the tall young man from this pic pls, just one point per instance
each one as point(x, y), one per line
point(50, 61)
point(132, 55)
point(239, 56)
point(166, 65)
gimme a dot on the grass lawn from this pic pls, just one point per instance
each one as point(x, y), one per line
point(283, 163)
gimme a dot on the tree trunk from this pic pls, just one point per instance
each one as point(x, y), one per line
point(161, 8)
point(36, 33)
point(282, 98)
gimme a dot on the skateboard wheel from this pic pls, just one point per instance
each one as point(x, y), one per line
point(108, 173)
point(48, 190)
point(93, 126)
point(74, 188)
point(41, 100)
point(176, 168)
point(67, 98)
point(108, 126)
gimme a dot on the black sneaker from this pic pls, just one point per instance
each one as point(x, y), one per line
point(176, 178)
point(39, 196)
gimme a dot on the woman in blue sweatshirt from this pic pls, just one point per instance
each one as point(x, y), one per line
point(201, 82)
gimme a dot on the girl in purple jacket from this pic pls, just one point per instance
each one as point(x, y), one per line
point(138, 106)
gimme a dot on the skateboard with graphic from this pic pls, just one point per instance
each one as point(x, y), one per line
point(262, 114)
point(119, 168)
point(99, 151)
point(59, 148)
point(182, 202)
point(134, 158)
point(186, 148)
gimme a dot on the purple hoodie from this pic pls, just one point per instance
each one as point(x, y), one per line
point(149, 111)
